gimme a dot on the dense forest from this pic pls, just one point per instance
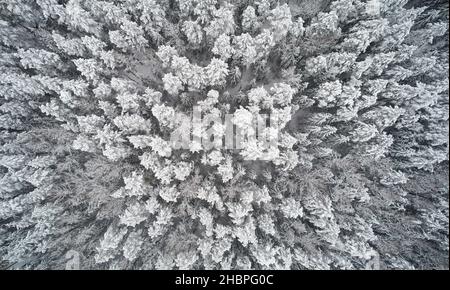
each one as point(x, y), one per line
point(94, 92)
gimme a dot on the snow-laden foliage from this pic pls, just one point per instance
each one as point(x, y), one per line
point(356, 171)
